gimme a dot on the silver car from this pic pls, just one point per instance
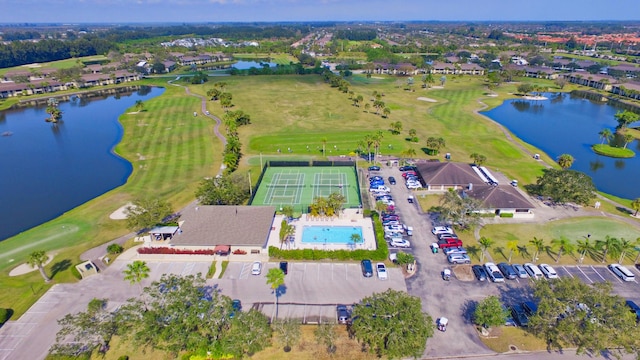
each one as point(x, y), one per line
point(522, 273)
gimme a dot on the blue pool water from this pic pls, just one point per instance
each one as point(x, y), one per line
point(330, 234)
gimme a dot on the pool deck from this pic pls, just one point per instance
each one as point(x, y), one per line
point(349, 217)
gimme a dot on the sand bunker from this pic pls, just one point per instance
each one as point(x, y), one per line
point(26, 268)
point(427, 99)
point(119, 214)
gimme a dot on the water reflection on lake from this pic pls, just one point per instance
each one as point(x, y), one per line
point(567, 124)
point(48, 169)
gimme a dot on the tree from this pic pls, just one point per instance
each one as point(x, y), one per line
point(386, 112)
point(560, 82)
point(435, 144)
point(525, 88)
point(538, 245)
point(627, 138)
point(38, 259)
point(286, 230)
point(584, 246)
point(275, 279)
point(635, 205)
point(404, 258)
point(55, 114)
point(396, 127)
point(563, 245)
point(478, 159)
point(485, 244)
point(489, 312)
point(606, 135)
point(513, 247)
point(624, 246)
point(565, 161)
point(625, 118)
point(136, 272)
point(326, 334)
point(565, 186)
point(355, 238)
point(609, 243)
point(460, 211)
point(392, 324)
point(588, 317)
point(146, 213)
point(248, 333)
point(288, 331)
point(229, 189)
point(139, 105)
point(81, 333)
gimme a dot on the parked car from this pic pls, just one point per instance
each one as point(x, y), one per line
point(454, 250)
point(390, 222)
point(381, 268)
point(447, 236)
point(530, 308)
point(392, 234)
point(400, 243)
point(447, 243)
point(343, 313)
point(519, 316)
point(407, 168)
point(396, 228)
point(494, 272)
point(409, 173)
point(548, 271)
point(414, 186)
point(367, 268)
point(284, 266)
point(533, 271)
point(459, 259)
point(479, 272)
point(634, 309)
point(380, 188)
point(442, 230)
point(519, 269)
point(392, 180)
point(390, 217)
point(374, 168)
point(507, 271)
point(256, 268)
point(509, 319)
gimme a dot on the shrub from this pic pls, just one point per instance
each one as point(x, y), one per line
point(114, 249)
point(506, 215)
point(124, 357)
point(5, 314)
point(172, 251)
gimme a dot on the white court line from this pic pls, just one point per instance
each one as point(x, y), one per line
point(567, 271)
point(601, 277)
point(585, 275)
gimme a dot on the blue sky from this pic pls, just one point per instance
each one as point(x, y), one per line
point(113, 11)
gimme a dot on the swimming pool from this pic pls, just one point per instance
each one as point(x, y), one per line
point(330, 234)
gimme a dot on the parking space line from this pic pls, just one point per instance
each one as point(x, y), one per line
point(583, 273)
point(346, 272)
point(596, 271)
point(332, 271)
point(568, 272)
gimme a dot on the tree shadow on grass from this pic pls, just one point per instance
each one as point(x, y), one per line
point(60, 266)
point(499, 250)
point(524, 252)
point(624, 210)
point(473, 251)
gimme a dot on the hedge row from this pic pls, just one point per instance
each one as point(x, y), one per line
point(379, 254)
point(171, 251)
point(506, 215)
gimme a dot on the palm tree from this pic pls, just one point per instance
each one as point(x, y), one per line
point(324, 146)
point(355, 238)
point(275, 279)
point(605, 135)
point(627, 138)
point(538, 245)
point(635, 205)
point(139, 105)
point(565, 161)
point(136, 272)
point(609, 243)
point(478, 159)
point(513, 247)
point(624, 246)
point(563, 245)
point(286, 230)
point(38, 259)
point(485, 244)
point(583, 247)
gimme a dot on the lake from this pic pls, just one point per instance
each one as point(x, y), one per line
point(567, 124)
point(246, 64)
point(49, 169)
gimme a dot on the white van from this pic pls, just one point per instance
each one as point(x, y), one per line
point(622, 272)
point(533, 271)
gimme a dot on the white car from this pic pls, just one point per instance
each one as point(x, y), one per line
point(494, 272)
point(256, 268)
point(533, 271)
point(394, 228)
point(548, 271)
point(382, 271)
point(392, 234)
point(414, 186)
point(441, 230)
point(382, 188)
point(401, 243)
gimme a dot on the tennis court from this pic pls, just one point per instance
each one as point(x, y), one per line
point(299, 185)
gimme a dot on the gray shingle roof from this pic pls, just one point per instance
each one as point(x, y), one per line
point(448, 173)
point(499, 197)
point(212, 225)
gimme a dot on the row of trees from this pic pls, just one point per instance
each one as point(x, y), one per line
point(329, 206)
point(617, 249)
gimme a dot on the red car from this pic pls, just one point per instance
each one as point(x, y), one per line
point(405, 174)
point(449, 243)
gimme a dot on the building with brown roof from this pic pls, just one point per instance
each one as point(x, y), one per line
point(226, 227)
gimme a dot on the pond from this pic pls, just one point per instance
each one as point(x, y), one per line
point(568, 124)
point(50, 169)
point(248, 64)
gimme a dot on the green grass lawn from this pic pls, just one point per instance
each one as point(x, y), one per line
point(60, 64)
point(574, 229)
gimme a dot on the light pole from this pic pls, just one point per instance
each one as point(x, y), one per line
point(250, 189)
